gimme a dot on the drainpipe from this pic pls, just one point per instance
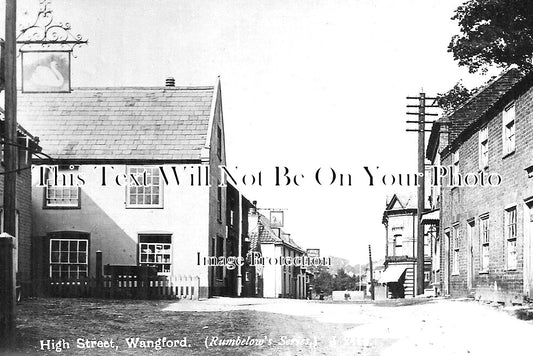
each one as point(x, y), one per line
point(239, 236)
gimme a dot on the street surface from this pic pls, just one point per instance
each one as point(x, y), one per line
point(401, 327)
point(233, 326)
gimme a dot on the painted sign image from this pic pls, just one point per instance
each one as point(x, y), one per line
point(45, 72)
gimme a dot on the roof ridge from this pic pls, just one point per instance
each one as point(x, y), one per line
point(206, 87)
point(480, 90)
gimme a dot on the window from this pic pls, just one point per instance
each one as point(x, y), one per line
point(60, 190)
point(397, 245)
point(156, 250)
point(483, 148)
point(509, 129)
point(24, 155)
point(219, 203)
point(455, 158)
point(2, 229)
point(68, 258)
point(220, 252)
point(144, 188)
point(484, 233)
point(510, 237)
point(219, 142)
point(455, 242)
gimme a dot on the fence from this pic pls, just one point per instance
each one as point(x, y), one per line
point(124, 286)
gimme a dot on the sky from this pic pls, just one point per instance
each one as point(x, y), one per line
point(306, 84)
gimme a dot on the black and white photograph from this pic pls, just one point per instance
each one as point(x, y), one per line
point(266, 177)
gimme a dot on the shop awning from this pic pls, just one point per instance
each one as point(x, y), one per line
point(392, 274)
point(431, 218)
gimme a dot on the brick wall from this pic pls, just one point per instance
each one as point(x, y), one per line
point(464, 205)
point(23, 206)
point(217, 227)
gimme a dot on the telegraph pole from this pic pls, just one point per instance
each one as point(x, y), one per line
point(371, 272)
point(7, 293)
point(421, 194)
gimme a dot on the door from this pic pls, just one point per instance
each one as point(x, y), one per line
point(470, 254)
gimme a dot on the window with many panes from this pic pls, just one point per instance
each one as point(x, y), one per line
point(155, 250)
point(484, 234)
point(484, 148)
point(60, 192)
point(69, 258)
point(455, 242)
point(509, 129)
point(510, 237)
point(144, 188)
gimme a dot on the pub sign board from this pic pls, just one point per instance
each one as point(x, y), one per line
point(276, 219)
point(46, 71)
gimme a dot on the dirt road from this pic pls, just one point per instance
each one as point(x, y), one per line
point(224, 326)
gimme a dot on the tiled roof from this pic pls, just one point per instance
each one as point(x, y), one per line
point(120, 123)
point(482, 102)
point(267, 234)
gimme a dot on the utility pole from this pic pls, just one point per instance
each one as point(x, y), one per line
point(421, 194)
point(7, 282)
point(371, 272)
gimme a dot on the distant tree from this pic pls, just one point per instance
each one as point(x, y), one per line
point(343, 281)
point(323, 281)
point(493, 32)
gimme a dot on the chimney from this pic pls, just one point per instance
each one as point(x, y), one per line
point(254, 208)
point(170, 82)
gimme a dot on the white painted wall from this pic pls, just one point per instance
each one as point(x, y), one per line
point(114, 228)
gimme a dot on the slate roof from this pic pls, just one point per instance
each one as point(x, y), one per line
point(479, 107)
point(145, 123)
point(482, 101)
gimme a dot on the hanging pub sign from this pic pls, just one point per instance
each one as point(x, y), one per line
point(276, 218)
point(313, 252)
point(46, 71)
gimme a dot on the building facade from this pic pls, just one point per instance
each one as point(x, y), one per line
point(28, 145)
point(241, 280)
point(135, 174)
point(401, 226)
point(279, 280)
point(486, 227)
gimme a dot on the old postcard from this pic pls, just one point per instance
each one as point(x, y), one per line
point(266, 177)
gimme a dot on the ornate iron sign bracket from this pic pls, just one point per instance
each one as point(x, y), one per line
point(44, 33)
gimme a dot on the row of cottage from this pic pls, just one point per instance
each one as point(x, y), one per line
point(478, 232)
point(75, 200)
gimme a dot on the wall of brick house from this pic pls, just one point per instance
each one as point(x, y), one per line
point(459, 205)
point(23, 206)
point(217, 227)
point(114, 228)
